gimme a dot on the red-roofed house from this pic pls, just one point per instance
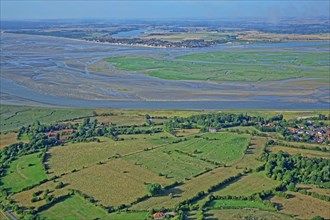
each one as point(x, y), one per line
point(159, 215)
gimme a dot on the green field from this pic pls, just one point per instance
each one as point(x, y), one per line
point(238, 204)
point(116, 173)
point(220, 147)
point(23, 172)
point(76, 155)
point(172, 164)
point(251, 66)
point(248, 185)
point(115, 182)
point(72, 208)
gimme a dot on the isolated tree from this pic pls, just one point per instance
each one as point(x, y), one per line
point(154, 188)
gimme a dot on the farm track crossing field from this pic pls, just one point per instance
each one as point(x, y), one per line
point(23, 172)
point(76, 155)
point(221, 147)
point(248, 185)
point(308, 206)
point(113, 183)
point(303, 152)
point(74, 207)
point(175, 165)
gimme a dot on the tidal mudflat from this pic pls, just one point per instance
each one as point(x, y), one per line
point(63, 72)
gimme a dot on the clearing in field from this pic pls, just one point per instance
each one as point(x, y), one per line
point(303, 152)
point(220, 147)
point(113, 183)
point(23, 172)
point(248, 185)
point(308, 206)
point(171, 164)
point(74, 207)
point(76, 155)
point(238, 204)
point(239, 214)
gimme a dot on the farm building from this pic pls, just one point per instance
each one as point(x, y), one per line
point(159, 215)
point(212, 130)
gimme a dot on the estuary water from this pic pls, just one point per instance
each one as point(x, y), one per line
point(39, 70)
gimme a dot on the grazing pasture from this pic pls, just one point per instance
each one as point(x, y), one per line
point(23, 172)
point(76, 155)
point(113, 183)
point(74, 207)
point(220, 147)
point(172, 164)
point(248, 185)
point(303, 206)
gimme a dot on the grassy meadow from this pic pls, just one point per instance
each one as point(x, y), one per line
point(23, 172)
point(64, 159)
point(74, 207)
point(115, 182)
point(173, 165)
point(220, 147)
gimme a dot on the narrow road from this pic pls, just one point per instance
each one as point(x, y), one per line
point(11, 215)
